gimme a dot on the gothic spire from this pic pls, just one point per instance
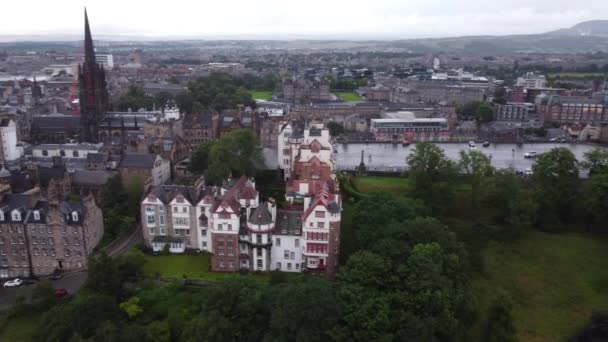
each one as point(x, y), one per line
point(89, 50)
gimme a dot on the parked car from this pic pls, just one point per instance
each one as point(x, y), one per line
point(529, 172)
point(13, 283)
point(61, 293)
point(531, 154)
point(28, 281)
point(55, 276)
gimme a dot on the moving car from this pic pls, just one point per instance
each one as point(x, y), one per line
point(405, 143)
point(13, 283)
point(472, 144)
point(61, 293)
point(486, 144)
point(531, 154)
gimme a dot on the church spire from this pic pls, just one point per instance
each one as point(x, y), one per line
point(89, 50)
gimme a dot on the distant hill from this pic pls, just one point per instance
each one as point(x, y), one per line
point(597, 28)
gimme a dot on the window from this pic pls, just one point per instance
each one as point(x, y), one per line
point(204, 243)
point(259, 264)
point(34, 241)
point(289, 266)
point(74, 216)
point(278, 265)
point(16, 216)
point(75, 154)
point(320, 224)
point(161, 219)
point(41, 230)
point(258, 238)
point(150, 219)
point(219, 226)
point(319, 213)
point(230, 250)
point(42, 241)
point(45, 153)
point(296, 243)
point(278, 242)
point(181, 221)
point(184, 209)
point(21, 241)
point(51, 241)
point(220, 250)
point(76, 242)
point(67, 252)
point(259, 252)
point(1, 217)
point(175, 209)
point(293, 255)
point(62, 153)
point(221, 264)
point(286, 254)
point(297, 266)
point(149, 209)
point(229, 226)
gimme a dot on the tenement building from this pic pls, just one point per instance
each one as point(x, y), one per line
point(39, 237)
point(241, 232)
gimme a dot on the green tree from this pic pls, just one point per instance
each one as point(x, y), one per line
point(596, 161)
point(158, 331)
point(335, 129)
point(131, 307)
point(556, 184)
point(134, 100)
point(512, 203)
point(238, 153)
point(431, 175)
point(484, 112)
point(104, 276)
point(135, 190)
point(161, 98)
point(478, 167)
point(501, 324)
point(596, 198)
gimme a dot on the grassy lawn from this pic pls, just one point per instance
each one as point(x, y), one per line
point(395, 185)
point(194, 267)
point(261, 94)
point(348, 96)
point(18, 329)
point(555, 281)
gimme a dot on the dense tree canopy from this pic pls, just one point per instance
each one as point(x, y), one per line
point(556, 180)
point(478, 167)
point(217, 92)
point(237, 153)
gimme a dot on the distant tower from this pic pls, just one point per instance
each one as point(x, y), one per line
point(93, 92)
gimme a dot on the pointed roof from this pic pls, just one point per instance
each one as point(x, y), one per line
point(89, 50)
point(261, 215)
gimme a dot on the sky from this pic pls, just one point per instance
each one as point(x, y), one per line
point(280, 19)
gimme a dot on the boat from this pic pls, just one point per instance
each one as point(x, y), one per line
point(486, 144)
point(405, 143)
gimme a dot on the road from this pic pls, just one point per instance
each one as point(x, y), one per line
point(391, 157)
point(72, 282)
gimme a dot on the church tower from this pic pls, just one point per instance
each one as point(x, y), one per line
point(93, 92)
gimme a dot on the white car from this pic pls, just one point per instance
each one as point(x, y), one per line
point(13, 283)
point(530, 154)
point(529, 172)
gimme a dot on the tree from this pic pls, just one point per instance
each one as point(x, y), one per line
point(596, 161)
point(131, 307)
point(335, 129)
point(161, 98)
point(556, 184)
point(104, 276)
point(238, 153)
point(135, 190)
point(484, 112)
point(295, 317)
point(134, 100)
point(478, 167)
point(501, 325)
point(596, 198)
point(431, 175)
point(512, 203)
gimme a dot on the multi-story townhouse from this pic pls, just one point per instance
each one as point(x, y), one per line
point(287, 241)
point(39, 237)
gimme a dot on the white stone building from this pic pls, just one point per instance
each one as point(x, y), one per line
point(8, 137)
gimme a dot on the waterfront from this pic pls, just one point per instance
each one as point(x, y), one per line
point(391, 157)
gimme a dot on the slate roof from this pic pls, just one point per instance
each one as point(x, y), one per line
point(45, 174)
point(89, 177)
point(138, 160)
point(96, 158)
point(67, 208)
point(288, 222)
point(56, 123)
point(261, 215)
point(166, 193)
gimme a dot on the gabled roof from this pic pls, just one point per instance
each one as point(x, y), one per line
point(167, 193)
point(138, 160)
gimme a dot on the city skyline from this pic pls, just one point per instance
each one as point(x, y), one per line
point(272, 19)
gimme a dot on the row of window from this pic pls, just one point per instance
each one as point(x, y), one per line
point(319, 225)
point(297, 266)
point(289, 255)
point(62, 153)
point(296, 242)
point(229, 250)
point(317, 236)
point(316, 248)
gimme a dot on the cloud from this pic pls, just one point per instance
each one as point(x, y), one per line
point(280, 18)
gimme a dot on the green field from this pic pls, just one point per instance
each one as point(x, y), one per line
point(348, 96)
point(261, 94)
point(193, 267)
point(575, 75)
point(555, 280)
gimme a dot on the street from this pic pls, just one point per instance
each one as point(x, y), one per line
point(72, 283)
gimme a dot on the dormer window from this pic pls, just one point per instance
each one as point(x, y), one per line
point(1, 215)
point(16, 216)
point(36, 215)
point(74, 216)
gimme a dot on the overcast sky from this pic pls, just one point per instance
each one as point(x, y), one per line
point(301, 18)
